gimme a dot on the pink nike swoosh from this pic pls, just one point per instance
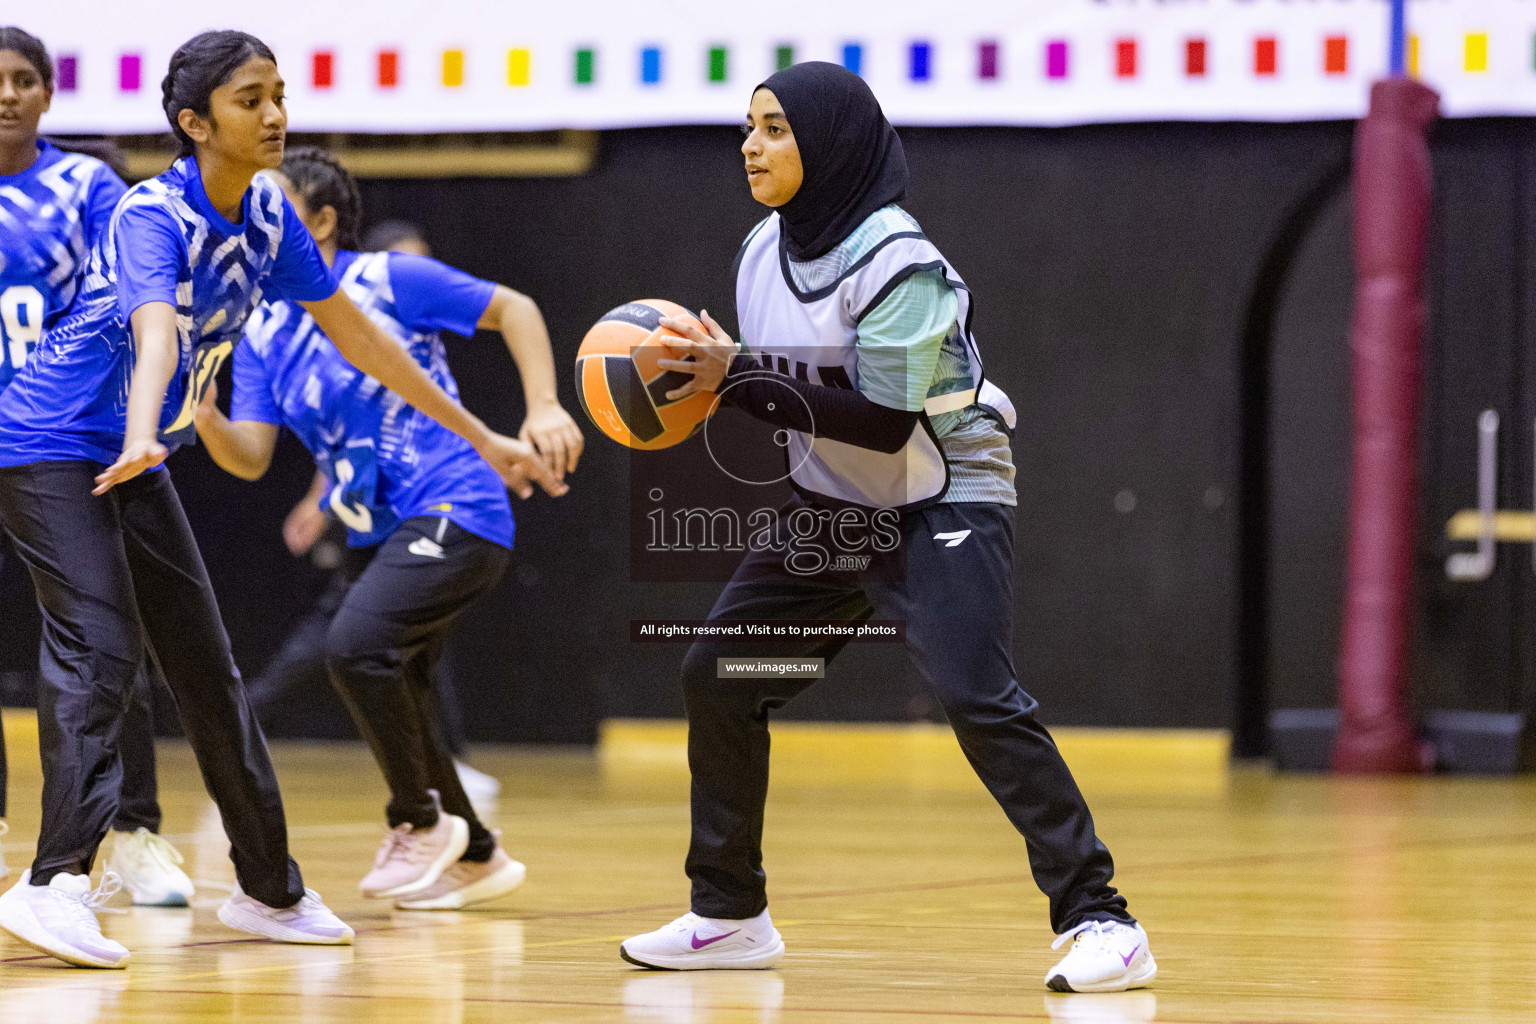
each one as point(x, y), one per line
point(1126, 958)
point(709, 942)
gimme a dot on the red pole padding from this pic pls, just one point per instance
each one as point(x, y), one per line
point(1391, 204)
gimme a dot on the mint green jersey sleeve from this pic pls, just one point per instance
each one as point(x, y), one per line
point(899, 341)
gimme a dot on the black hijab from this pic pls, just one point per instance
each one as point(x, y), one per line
point(851, 156)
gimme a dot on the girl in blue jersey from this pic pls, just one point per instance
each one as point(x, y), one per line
point(429, 525)
point(85, 425)
point(54, 205)
point(891, 419)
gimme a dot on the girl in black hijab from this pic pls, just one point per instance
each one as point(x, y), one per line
point(851, 156)
point(857, 345)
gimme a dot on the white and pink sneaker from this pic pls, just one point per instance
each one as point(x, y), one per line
point(411, 859)
point(308, 922)
point(1106, 956)
point(60, 918)
point(694, 943)
point(467, 883)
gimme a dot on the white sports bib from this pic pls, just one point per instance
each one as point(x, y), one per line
point(812, 333)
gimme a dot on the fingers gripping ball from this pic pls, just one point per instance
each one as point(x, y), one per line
point(622, 389)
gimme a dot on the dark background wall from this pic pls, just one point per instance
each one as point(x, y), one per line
point(1472, 641)
point(1179, 556)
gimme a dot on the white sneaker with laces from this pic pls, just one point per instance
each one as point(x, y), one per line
point(308, 922)
point(694, 943)
point(60, 918)
point(150, 869)
point(1106, 956)
point(478, 786)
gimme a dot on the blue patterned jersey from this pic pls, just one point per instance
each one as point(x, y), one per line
point(385, 461)
point(50, 214)
point(165, 243)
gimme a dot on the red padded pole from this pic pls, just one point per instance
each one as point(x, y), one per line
point(1391, 205)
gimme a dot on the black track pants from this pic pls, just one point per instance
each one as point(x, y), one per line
point(108, 572)
point(957, 603)
point(139, 804)
point(382, 646)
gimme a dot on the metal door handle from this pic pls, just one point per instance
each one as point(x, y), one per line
point(1478, 565)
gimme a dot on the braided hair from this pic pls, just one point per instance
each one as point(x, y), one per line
point(29, 46)
point(323, 181)
point(199, 66)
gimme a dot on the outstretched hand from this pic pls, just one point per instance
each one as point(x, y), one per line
point(520, 467)
point(711, 354)
point(137, 457)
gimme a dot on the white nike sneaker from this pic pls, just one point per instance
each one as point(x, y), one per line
point(694, 943)
point(478, 786)
point(1106, 956)
point(150, 869)
point(60, 918)
point(308, 922)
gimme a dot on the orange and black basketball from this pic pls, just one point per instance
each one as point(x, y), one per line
point(622, 389)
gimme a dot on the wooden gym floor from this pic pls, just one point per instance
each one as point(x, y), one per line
point(902, 894)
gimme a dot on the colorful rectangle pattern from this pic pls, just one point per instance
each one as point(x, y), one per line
point(1476, 52)
point(986, 61)
point(1194, 58)
point(1335, 55)
point(1266, 56)
point(67, 79)
point(1125, 58)
point(519, 66)
point(920, 60)
point(1056, 58)
point(129, 72)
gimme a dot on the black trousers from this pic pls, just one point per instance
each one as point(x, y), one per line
point(139, 800)
point(288, 682)
point(957, 603)
point(109, 572)
point(381, 649)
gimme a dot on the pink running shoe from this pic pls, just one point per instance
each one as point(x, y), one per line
point(411, 859)
point(466, 883)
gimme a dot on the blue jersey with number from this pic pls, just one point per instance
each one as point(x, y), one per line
point(165, 243)
point(385, 461)
point(50, 215)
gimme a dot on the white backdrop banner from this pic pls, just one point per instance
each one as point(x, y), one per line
point(498, 65)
